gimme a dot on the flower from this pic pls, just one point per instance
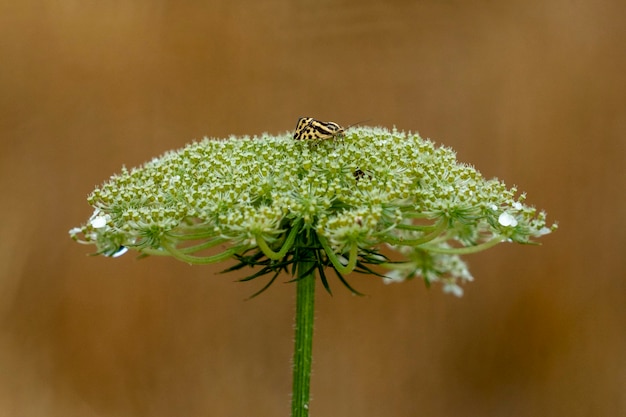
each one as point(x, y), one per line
point(272, 201)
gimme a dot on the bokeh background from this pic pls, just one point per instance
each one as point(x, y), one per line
point(533, 92)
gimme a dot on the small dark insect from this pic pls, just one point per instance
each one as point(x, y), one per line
point(358, 174)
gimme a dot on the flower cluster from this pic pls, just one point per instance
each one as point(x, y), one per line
point(348, 205)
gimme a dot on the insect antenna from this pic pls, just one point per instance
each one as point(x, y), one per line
point(357, 123)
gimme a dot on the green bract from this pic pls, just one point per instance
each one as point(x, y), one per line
point(273, 202)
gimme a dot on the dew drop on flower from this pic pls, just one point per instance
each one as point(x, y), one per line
point(122, 250)
point(99, 222)
point(505, 219)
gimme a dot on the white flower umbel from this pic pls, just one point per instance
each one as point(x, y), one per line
point(272, 201)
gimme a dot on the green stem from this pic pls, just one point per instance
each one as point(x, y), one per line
point(349, 267)
point(466, 249)
point(198, 260)
point(286, 246)
point(437, 230)
point(303, 350)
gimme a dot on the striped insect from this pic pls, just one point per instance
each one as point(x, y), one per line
point(310, 129)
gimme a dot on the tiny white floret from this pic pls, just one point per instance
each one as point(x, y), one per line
point(75, 230)
point(452, 288)
point(543, 231)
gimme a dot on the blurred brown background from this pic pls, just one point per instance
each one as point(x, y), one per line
point(533, 92)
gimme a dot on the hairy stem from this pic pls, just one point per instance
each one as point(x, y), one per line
point(303, 351)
